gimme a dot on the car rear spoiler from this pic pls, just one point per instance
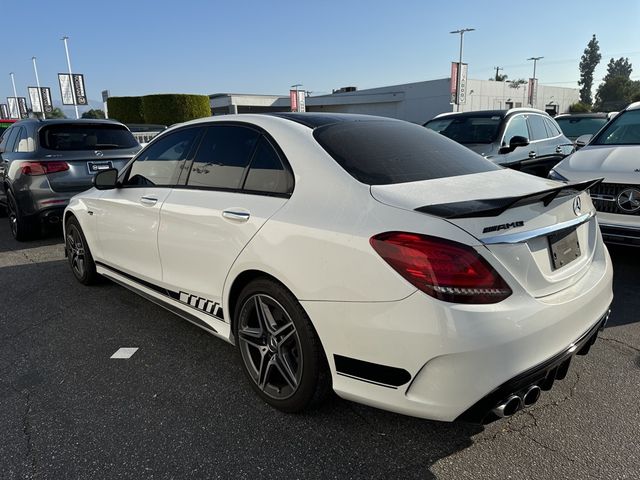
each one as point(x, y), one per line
point(496, 206)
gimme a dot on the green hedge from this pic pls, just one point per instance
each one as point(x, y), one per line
point(126, 109)
point(165, 109)
point(175, 108)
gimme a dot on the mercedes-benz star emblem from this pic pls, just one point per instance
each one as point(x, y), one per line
point(577, 206)
point(98, 153)
point(629, 200)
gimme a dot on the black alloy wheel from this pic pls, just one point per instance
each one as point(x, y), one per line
point(78, 254)
point(280, 351)
point(21, 227)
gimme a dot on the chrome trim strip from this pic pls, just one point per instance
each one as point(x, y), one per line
point(619, 226)
point(520, 237)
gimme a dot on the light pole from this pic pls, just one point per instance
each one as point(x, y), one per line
point(73, 94)
point(461, 32)
point(35, 69)
point(533, 82)
point(15, 94)
point(297, 97)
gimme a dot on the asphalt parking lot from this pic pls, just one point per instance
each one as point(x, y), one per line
point(180, 407)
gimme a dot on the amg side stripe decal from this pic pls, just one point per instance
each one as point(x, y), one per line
point(203, 305)
point(382, 375)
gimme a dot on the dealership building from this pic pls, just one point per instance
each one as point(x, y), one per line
point(415, 102)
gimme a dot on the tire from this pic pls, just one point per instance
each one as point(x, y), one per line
point(22, 228)
point(279, 349)
point(79, 254)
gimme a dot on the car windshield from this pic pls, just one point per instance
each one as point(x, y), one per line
point(624, 129)
point(69, 137)
point(467, 129)
point(573, 127)
point(387, 152)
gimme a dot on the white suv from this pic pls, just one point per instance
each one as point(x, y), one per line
point(363, 253)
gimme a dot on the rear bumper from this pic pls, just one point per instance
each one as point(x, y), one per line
point(455, 356)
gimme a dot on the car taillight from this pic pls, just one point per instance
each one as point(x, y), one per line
point(42, 168)
point(444, 269)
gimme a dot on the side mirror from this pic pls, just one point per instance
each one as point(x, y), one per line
point(106, 179)
point(515, 142)
point(582, 140)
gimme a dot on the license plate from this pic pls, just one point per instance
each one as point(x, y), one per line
point(95, 167)
point(564, 247)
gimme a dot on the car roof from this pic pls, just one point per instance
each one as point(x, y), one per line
point(67, 121)
point(315, 120)
point(583, 115)
point(490, 113)
point(634, 106)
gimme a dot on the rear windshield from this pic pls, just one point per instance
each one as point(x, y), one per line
point(624, 129)
point(573, 127)
point(86, 137)
point(386, 152)
point(467, 129)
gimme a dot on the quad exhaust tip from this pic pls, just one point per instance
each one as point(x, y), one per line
point(532, 396)
point(510, 406)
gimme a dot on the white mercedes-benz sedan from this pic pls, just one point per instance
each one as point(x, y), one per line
point(614, 154)
point(358, 253)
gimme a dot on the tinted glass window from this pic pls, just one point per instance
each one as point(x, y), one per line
point(573, 127)
point(385, 152)
point(11, 139)
point(467, 129)
point(267, 174)
point(222, 157)
point(624, 129)
point(538, 130)
point(86, 137)
point(552, 129)
point(161, 163)
point(22, 143)
point(517, 127)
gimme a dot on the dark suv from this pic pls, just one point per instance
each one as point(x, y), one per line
point(524, 139)
point(45, 163)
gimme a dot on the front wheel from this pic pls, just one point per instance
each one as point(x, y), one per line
point(279, 349)
point(78, 253)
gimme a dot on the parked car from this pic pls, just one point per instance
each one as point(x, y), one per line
point(613, 153)
point(363, 253)
point(574, 125)
point(523, 139)
point(46, 162)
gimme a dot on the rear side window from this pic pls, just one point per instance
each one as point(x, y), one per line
point(11, 139)
point(538, 130)
point(387, 152)
point(222, 157)
point(72, 136)
point(266, 173)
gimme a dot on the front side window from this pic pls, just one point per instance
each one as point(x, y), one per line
point(161, 163)
point(517, 127)
point(538, 130)
point(624, 129)
point(266, 172)
point(222, 157)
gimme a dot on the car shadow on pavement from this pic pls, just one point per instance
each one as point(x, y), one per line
point(626, 301)
point(50, 236)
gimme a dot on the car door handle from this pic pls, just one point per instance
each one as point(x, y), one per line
point(237, 215)
point(149, 200)
point(532, 154)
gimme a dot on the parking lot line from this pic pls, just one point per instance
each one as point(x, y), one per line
point(124, 353)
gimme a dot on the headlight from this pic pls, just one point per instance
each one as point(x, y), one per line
point(553, 175)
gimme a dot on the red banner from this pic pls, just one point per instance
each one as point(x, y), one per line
point(293, 96)
point(454, 82)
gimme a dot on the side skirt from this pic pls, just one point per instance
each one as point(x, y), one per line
point(212, 325)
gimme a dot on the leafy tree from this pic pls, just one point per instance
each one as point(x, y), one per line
point(588, 63)
point(93, 113)
point(580, 107)
point(617, 89)
point(56, 113)
point(500, 77)
point(516, 83)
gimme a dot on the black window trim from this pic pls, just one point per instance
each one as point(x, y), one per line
point(263, 133)
point(124, 175)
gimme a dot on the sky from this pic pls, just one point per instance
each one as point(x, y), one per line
point(140, 47)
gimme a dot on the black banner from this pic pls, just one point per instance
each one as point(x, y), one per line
point(22, 104)
point(47, 104)
point(78, 87)
point(4, 111)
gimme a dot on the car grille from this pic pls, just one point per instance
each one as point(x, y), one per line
point(605, 197)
